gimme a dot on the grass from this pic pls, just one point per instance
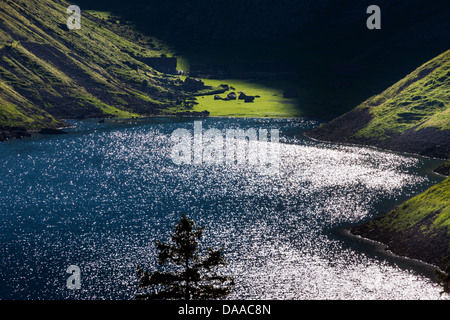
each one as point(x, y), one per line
point(58, 71)
point(107, 109)
point(46, 68)
point(27, 115)
point(105, 15)
point(433, 204)
point(270, 103)
point(420, 100)
point(12, 116)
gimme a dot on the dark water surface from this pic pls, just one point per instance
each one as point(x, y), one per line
point(101, 195)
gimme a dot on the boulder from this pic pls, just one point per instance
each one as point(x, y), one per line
point(249, 98)
point(193, 84)
point(217, 97)
point(232, 96)
point(242, 96)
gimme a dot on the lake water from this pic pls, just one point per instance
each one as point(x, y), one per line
point(101, 195)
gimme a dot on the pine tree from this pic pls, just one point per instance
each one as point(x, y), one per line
point(186, 274)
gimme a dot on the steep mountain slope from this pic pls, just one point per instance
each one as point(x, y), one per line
point(49, 73)
point(413, 115)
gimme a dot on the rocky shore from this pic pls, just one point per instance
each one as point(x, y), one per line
point(411, 243)
point(406, 117)
point(429, 142)
point(416, 229)
point(444, 169)
point(7, 133)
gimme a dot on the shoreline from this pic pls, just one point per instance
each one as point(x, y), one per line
point(409, 243)
point(16, 133)
point(392, 245)
point(374, 246)
point(377, 148)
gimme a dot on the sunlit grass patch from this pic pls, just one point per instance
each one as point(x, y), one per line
point(420, 100)
point(433, 204)
point(268, 102)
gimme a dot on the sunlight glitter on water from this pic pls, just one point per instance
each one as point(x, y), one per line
point(99, 198)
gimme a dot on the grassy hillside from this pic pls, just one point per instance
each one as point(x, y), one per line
point(418, 228)
point(413, 115)
point(420, 100)
point(48, 72)
point(433, 204)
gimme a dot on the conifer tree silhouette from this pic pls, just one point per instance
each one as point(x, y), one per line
point(186, 273)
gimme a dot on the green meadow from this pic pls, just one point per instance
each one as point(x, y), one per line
point(269, 103)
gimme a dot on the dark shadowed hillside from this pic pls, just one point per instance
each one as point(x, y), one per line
point(339, 62)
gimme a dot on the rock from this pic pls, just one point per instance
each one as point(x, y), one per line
point(290, 93)
point(225, 86)
point(249, 98)
point(232, 96)
point(217, 97)
point(246, 98)
point(7, 133)
point(444, 169)
point(193, 84)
